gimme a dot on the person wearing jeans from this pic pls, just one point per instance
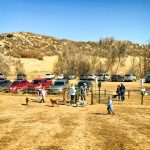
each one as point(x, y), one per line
point(109, 106)
point(72, 93)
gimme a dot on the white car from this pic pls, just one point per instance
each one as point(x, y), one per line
point(104, 77)
point(49, 76)
point(130, 77)
point(60, 76)
point(92, 77)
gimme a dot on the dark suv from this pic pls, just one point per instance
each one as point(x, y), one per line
point(21, 77)
point(147, 80)
point(117, 78)
point(87, 82)
point(4, 84)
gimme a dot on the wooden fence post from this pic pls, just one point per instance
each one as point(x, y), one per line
point(128, 94)
point(142, 98)
point(105, 93)
point(91, 96)
point(142, 95)
point(64, 94)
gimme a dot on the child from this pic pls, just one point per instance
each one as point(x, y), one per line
point(109, 106)
point(43, 94)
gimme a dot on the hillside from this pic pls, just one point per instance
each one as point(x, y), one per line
point(99, 56)
point(27, 45)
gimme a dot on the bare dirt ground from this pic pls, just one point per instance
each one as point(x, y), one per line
point(42, 127)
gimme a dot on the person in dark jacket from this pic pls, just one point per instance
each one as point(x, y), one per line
point(118, 93)
point(122, 92)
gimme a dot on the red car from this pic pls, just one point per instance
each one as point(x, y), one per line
point(34, 84)
point(18, 85)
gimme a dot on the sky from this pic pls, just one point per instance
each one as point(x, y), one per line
point(78, 20)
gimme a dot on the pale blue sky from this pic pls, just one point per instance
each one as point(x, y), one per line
point(79, 20)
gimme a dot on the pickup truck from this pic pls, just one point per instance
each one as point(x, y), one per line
point(33, 86)
point(18, 85)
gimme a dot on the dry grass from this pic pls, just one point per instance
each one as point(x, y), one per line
point(36, 68)
point(42, 127)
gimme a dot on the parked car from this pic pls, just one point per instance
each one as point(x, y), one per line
point(130, 77)
point(117, 78)
point(104, 77)
point(21, 77)
point(91, 77)
point(32, 87)
point(58, 86)
point(69, 76)
point(147, 80)
point(60, 76)
point(83, 77)
point(3, 76)
point(18, 85)
point(49, 76)
point(88, 83)
point(4, 84)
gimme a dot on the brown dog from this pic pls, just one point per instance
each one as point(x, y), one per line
point(28, 100)
point(54, 101)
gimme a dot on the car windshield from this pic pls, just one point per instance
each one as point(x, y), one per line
point(15, 83)
point(35, 82)
point(1, 82)
point(128, 75)
point(115, 76)
point(59, 83)
point(81, 83)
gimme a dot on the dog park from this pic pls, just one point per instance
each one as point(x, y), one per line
point(39, 126)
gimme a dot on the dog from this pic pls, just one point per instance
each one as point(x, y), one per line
point(54, 101)
point(28, 100)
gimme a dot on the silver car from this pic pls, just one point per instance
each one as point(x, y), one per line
point(58, 86)
point(104, 77)
point(130, 77)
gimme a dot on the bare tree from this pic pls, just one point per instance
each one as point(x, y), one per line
point(19, 67)
point(5, 64)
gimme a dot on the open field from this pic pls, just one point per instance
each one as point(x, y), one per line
point(42, 127)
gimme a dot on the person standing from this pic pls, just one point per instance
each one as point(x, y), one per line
point(43, 94)
point(109, 106)
point(118, 93)
point(83, 90)
point(72, 92)
point(39, 88)
point(122, 92)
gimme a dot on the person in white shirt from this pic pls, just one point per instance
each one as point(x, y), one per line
point(72, 92)
point(43, 94)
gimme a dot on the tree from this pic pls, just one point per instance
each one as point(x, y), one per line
point(5, 64)
point(19, 67)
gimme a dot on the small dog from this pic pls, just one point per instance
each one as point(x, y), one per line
point(28, 100)
point(54, 101)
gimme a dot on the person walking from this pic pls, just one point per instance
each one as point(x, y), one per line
point(122, 92)
point(109, 106)
point(43, 94)
point(72, 92)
